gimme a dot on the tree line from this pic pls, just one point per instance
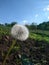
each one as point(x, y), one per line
point(41, 26)
point(33, 26)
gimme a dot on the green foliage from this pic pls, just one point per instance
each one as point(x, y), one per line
point(4, 30)
point(41, 26)
point(37, 32)
point(11, 24)
point(39, 37)
point(44, 26)
point(32, 26)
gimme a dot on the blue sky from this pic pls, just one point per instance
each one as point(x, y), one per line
point(24, 11)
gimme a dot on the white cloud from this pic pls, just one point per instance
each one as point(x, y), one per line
point(48, 17)
point(36, 15)
point(46, 8)
point(25, 22)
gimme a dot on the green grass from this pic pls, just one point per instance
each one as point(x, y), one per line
point(34, 34)
point(39, 37)
point(4, 30)
point(41, 32)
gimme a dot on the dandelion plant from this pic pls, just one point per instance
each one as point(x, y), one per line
point(19, 32)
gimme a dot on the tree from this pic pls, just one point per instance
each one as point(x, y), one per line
point(11, 24)
point(43, 26)
point(33, 26)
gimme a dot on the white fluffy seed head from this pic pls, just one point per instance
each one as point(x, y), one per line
point(20, 32)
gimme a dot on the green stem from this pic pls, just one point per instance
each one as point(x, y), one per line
point(14, 42)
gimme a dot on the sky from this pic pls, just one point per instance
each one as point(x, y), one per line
point(24, 11)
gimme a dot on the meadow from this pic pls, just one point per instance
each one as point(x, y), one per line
point(34, 51)
point(34, 34)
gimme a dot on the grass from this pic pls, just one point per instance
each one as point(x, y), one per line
point(39, 37)
point(35, 34)
point(5, 30)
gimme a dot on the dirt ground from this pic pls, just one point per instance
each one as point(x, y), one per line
point(36, 51)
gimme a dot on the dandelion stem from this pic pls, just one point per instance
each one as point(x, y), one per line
point(14, 42)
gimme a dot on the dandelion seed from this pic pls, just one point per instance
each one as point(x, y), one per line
point(20, 32)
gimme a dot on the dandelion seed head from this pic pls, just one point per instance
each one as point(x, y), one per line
point(20, 32)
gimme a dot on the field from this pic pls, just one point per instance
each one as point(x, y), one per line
point(33, 51)
point(40, 35)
